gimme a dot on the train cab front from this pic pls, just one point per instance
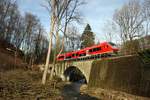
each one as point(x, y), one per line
point(114, 47)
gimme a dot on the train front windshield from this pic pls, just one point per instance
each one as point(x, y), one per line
point(113, 45)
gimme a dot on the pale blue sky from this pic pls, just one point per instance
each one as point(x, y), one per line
point(95, 12)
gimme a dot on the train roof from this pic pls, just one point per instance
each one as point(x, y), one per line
point(94, 46)
point(87, 48)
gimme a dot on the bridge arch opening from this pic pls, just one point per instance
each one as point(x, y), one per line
point(75, 75)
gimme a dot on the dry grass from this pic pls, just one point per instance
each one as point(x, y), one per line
point(104, 94)
point(25, 85)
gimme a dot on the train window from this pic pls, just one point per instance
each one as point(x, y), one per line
point(68, 57)
point(99, 48)
point(73, 55)
point(112, 44)
point(83, 54)
point(90, 50)
point(95, 49)
point(61, 57)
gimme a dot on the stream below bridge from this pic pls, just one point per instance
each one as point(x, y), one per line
point(71, 91)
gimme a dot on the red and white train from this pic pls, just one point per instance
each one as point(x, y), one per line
point(101, 50)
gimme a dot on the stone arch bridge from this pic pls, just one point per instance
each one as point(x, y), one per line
point(127, 73)
point(83, 66)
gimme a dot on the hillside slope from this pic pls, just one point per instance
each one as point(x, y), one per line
point(7, 56)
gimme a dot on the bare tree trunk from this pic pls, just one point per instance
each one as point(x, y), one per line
point(49, 51)
point(55, 52)
point(54, 62)
point(62, 46)
point(59, 52)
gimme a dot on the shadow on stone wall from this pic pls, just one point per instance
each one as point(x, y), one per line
point(126, 74)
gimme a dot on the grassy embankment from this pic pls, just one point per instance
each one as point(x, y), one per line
point(26, 85)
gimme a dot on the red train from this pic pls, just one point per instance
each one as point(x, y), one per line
point(104, 49)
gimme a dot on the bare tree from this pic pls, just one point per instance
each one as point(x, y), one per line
point(62, 13)
point(53, 6)
point(110, 30)
point(146, 24)
point(73, 42)
point(23, 32)
point(31, 23)
point(146, 15)
point(8, 16)
point(129, 18)
point(4, 9)
point(130, 22)
point(19, 34)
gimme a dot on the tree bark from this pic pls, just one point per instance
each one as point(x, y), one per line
point(49, 51)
